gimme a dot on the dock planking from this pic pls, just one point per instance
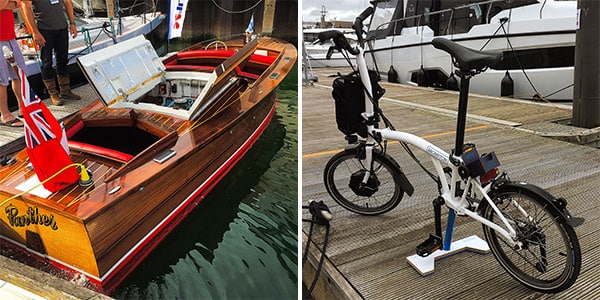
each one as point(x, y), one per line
point(367, 255)
point(12, 139)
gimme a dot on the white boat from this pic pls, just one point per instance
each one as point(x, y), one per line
point(316, 51)
point(537, 38)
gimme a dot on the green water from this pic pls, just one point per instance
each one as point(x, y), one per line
point(241, 241)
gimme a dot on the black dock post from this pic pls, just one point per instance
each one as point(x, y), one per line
point(586, 92)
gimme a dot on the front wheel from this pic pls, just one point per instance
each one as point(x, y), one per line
point(343, 177)
point(549, 257)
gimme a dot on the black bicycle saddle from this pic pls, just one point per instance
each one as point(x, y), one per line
point(467, 59)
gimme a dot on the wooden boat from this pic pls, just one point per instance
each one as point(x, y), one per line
point(161, 136)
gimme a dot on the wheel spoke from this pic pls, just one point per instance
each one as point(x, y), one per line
point(344, 180)
point(549, 257)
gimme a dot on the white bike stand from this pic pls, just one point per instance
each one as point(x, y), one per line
point(426, 265)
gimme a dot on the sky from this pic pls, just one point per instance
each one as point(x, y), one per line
point(340, 10)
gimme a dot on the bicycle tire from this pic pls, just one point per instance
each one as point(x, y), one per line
point(384, 192)
point(550, 259)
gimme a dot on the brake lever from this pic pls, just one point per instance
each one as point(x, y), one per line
point(329, 52)
point(353, 51)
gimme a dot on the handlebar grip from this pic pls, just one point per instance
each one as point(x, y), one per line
point(358, 23)
point(365, 14)
point(329, 34)
point(339, 40)
point(329, 52)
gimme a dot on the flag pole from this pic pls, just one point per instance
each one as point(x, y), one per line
point(168, 26)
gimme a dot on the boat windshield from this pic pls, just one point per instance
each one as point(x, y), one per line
point(384, 12)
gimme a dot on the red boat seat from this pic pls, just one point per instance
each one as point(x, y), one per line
point(245, 74)
point(205, 53)
point(255, 58)
point(100, 151)
point(263, 59)
point(93, 149)
point(74, 129)
point(175, 67)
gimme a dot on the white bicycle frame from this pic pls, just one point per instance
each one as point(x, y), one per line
point(438, 156)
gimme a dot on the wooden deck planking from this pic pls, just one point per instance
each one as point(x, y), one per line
point(370, 252)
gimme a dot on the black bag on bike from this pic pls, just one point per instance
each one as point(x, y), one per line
point(348, 93)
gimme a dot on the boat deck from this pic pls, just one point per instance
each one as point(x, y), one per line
point(366, 256)
point(17, 279)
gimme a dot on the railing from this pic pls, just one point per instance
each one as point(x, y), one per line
point(426, 19)
point(145, 8)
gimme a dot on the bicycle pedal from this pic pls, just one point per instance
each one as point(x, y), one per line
point(427, 247)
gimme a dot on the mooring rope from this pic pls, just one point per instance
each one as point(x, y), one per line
point(321, 216)
point(239, 11)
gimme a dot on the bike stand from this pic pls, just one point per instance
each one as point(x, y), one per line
point(426, 265)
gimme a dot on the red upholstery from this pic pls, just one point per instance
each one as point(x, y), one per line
point(173, 67)
point(97, 150)
point(245, 74)
point(100, 151)
point(205, 53)
point(263, 59)
point(74, 129)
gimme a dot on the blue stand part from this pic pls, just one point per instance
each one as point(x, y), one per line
point(449, 229)
point(426, 265)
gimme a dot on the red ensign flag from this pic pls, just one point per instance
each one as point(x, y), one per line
point(43, 135)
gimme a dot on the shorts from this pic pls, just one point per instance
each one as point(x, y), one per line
point(6, 70)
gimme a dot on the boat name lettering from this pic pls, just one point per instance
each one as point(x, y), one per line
point(31, 217)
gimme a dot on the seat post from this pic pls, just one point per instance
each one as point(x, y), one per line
point(462, 114)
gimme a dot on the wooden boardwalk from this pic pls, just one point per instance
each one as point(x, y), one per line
point(366, 256)
point(11, 139)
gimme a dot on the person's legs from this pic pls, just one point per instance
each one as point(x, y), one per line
point(5, 115)
point(4, 112)
point(16, 87)
point(61, 52)
point(48, 73)
point(46, 53)
point(16, 78)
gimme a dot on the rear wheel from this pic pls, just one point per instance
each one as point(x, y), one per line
point(343, 177)
point(549, 259)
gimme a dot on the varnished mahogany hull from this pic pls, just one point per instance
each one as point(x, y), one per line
point(120, 237)
point(181, 200)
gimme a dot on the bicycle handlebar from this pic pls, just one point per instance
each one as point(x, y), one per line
point(339, 40)
point(358, 24)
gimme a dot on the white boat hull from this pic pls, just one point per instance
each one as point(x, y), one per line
point(412, 49)
point(319, 60)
